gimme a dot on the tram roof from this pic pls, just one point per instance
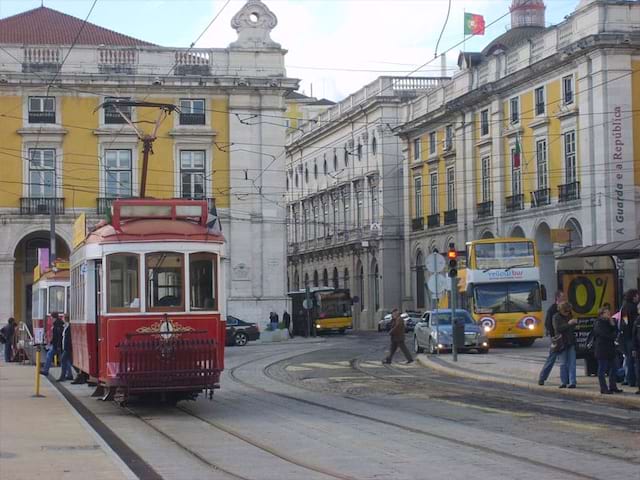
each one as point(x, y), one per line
point(626, 250)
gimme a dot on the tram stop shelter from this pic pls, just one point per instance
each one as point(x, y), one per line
point(625, 250)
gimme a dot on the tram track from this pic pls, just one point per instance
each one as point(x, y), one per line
point(233, 373)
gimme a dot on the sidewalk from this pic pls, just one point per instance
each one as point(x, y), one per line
point(520, 367)
point(45, 437)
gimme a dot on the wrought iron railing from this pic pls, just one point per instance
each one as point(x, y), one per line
point(41, 206)
point(433, 220)
point(451, 217)
point(42, 117)
point(514, 202)
point(569, 192)
point(417, 224)
point(485, 209)
point(192, 119)
point(541, 197)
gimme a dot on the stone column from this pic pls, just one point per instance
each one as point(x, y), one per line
point(7, 263)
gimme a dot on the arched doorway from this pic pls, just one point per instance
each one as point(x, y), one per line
point(518, 232)
point(575, 232)
point(420, 297)
point(547, 261)
point(316, 279)
point(306, 280)
point(336, 280)
point(26, 258)
point(360, 284)
point(296, 280)
point(345, 279)
point(325, 278)
point(487, 235)
point(375, 285)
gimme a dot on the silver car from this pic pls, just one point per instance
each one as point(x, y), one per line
point(434, 333)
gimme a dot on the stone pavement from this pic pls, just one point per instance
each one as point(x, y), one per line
point(45, 437)
point(520, 367)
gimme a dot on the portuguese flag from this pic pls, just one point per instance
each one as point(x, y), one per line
point(473, 24)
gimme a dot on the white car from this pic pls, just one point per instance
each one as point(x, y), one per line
point(434, 333)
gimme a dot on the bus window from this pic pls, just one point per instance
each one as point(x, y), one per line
point(507, 297)
point(56, 299)
point(122, 283)
point(203, 281)
point(504, 255)
point(165, 281)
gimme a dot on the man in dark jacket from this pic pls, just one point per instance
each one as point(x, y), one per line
point(565, 325)
point(548, 324)
point(636, 350)
point(286, 319)
point(65, 362)
point(628, 318)
point(605, 333)
point(8, 331)
point(397, 337)
point(56, 343)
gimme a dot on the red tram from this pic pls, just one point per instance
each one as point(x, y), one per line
point(49, 294)
point(146, 300)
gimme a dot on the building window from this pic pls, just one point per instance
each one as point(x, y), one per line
point(416, 149)
point(373, 193)
point(192, 174)
point(297, 183)
point(287, 183)
point(451, 188)
point(325, 167)
point(346, 203)
point(361, 286)
point(336, 280)
point(542, 165)
point(433, 178)
point(192, 111)
point(514, 105)
point(432, 143)
point(335, 201)
point(359, 203)
point(122, 283)
point(570, 157)
point(484, 122)
point(42, 173)
point(325, 278)
point(335, 162)
point(316, 219)
point(42, 110)
point(306, 280)
point(305, 220)
point(112, 114)
point(117, 173)
point(306, 175)
point(315, 170)
point(539, 99)
point(486, 179)
point(316, 280)
point(346, 157)
point(374, 146)
point(325, 216)
point(359, 152)
point(376, 288)
point(567, 90)
point(417, 197)
point(516, 173)
point(448, 138)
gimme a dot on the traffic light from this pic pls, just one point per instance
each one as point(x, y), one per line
point(452, 255)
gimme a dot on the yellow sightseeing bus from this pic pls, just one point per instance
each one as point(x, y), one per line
point(502, 289)
point(331, 310)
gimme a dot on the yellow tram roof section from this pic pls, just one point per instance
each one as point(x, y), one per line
point(58, 271)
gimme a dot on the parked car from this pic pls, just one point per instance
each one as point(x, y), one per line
point(384, 325)
point(240, 332)
point(410, 320)
point(434, 333)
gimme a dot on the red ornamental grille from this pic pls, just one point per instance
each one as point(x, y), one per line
point(174, 364)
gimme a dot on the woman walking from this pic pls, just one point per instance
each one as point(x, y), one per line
point(605, 333)
point(564, 327)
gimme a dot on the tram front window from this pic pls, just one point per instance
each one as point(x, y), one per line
point(165, 272)
point(122, 279)
point(56, 299)
point(202, 281)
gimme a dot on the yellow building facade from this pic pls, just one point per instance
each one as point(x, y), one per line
point(539, 131)
point(64, 153)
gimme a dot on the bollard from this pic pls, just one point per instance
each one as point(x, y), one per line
point(37, 394)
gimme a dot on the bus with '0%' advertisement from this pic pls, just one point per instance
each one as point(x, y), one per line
point(328, 309)
point(500, 287)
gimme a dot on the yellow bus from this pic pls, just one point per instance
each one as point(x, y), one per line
point(331, 310)
point(502, 289)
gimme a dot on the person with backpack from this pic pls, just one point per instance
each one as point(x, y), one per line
point(565, 344)
point(548, 325)
point(605, 332)
point(6, 336)
point(56, 343)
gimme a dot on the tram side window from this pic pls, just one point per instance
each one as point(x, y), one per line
point(122, 280)
point(203, 281)
point(165, 282)
point(56, 299)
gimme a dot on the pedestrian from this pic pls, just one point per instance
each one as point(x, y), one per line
point(605, 332)
point(397, 335)
point(6, 336)
point(636, 349)
point(56, 343)
point(66, 371)
point(273, 320)
point(286, 319)
point(548, 324)
point(564, 327)
point(628, 318)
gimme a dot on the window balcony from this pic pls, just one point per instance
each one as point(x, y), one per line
point(569, 192)
point(433, 221)
point(485, 209)
point(192, 119)
point(42, 117)
point(541, 197)
point(451, 217)
point(417, 224)
point(514, 203)
point(41, 206)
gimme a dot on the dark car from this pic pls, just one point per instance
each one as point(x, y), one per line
point(240, 332)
